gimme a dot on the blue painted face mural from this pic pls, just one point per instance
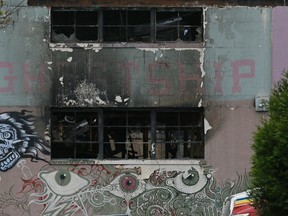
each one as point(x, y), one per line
point(18, 139)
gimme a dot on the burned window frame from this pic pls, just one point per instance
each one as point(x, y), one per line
point(155, 132)
point(133, 30)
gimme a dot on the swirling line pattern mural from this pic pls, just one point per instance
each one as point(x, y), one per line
point(18, 139)
point(101, 190)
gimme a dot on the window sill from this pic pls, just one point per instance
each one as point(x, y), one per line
point(99, 46)
point(129, 162)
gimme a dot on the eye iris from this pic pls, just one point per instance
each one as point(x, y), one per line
point(7, 135)
point(63, 177)
point(129, 183)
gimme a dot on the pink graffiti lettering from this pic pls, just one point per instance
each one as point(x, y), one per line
point(218, 78)
point(128, 67)
point(29, 78)
point(10, 78)
point(236, 65)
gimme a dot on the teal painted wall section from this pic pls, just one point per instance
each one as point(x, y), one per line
point(24, 58)
point(238, 53)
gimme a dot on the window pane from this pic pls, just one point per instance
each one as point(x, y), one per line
point(184, 26)
point(62, 17)
point(87, 33)
point(63, 34)
point(74, 135)
point(179, 135)
point(114, 17)
point(126, 26)
point(86, 18)
point(167, 119)
point(114, 34)
point(136, 17)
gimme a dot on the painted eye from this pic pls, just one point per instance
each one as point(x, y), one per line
point(64, 182)
point(7, 132)
point(128, 183)
point(192, 178)
point(7, 135)
point(127, 186)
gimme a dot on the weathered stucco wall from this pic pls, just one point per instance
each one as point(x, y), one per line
point(224, 77)
point(238, 68)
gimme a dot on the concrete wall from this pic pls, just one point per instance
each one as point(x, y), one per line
point(224, 77)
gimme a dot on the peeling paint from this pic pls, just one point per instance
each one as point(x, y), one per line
point(206, 126)
point(88, 93)
point(61, 80)
point(60, 47)
point(118, 99)
point(93, 46)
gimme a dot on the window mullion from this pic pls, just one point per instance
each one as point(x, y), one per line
point(100, 25)
point(153, 134)
point(100, 134)
point(152, 25)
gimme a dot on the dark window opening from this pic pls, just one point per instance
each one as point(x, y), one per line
point(75, 134)
point(126, 25)
point(127, 133)
point(175, 26)
point(74, 26)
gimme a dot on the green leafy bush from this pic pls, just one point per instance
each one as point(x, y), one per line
point(269, 173)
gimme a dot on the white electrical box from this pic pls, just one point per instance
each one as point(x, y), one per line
point(261, 103)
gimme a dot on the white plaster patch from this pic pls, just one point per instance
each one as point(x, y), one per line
point(88, 93)
point(200, 103)
point(206, 126)
point(70, 102)
point(89, 101)
point(62, 49)
point(61, 80)
point(118, 99)
point(49, 62)
point(69, 59)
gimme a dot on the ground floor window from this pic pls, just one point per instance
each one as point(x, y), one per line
point(127, 133)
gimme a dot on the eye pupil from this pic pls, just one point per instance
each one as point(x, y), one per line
point(63, 176)
point(128, 183)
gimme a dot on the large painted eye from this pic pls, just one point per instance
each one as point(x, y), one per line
point(127, 186)
point(191, 178)
point(64, 182)
point(128, 183)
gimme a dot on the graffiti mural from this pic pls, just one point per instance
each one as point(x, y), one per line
point(18, 139)
point(107, 190)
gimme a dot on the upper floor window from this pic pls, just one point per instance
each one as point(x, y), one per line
point(107, 133)
point(126, 25)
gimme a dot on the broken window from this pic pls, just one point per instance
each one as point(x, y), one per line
point(74, 134)
point(74, 25)
point(127, 133)
point(179, 26)
point(126, 25)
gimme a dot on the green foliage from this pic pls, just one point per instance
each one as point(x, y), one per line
point(269, 173)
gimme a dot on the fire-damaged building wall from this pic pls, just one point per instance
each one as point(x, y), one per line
point(132, 128)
